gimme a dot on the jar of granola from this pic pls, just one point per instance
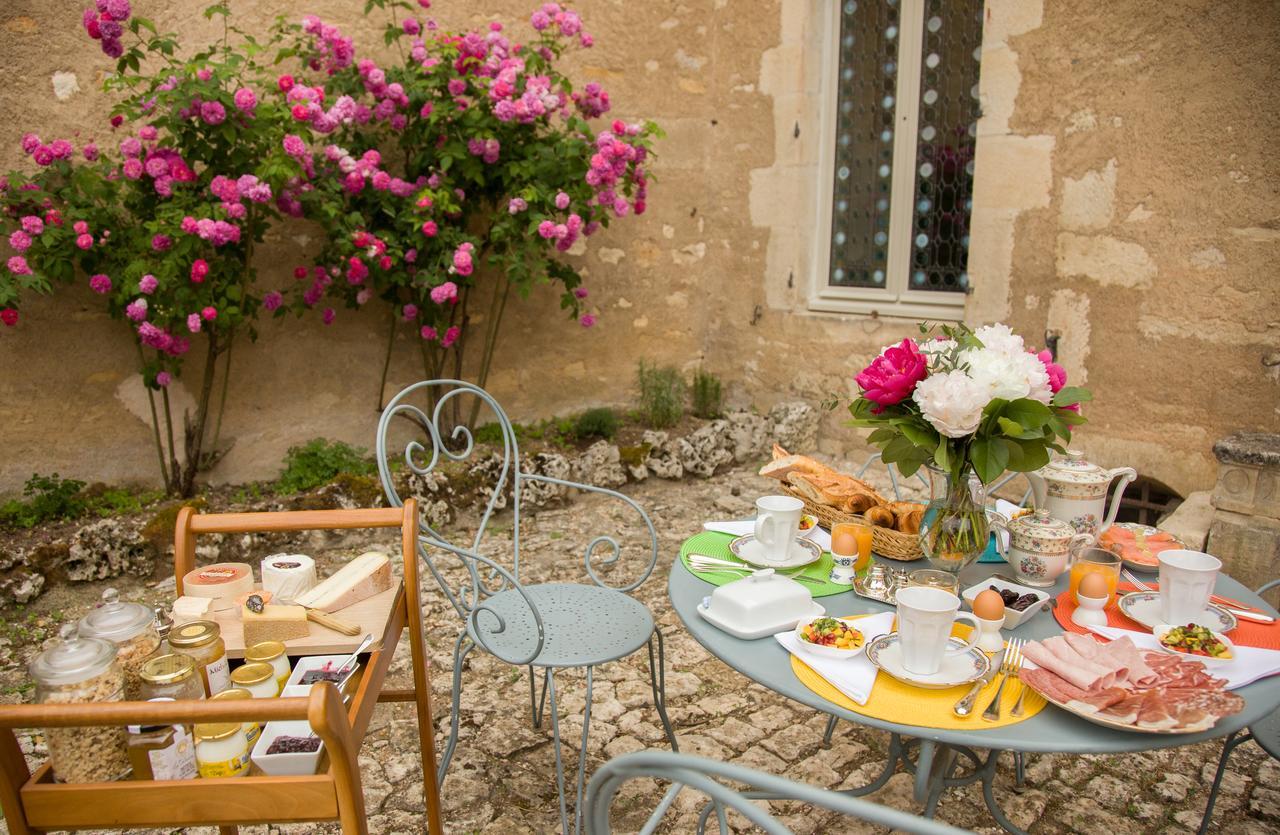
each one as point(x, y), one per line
point(202, 640)
point(76, 670)
point(131, 627)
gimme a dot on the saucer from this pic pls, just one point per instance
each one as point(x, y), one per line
point(1144, 608)
point(803, 552)
point(957, 668)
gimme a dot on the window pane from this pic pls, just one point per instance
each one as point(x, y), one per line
point(944, 152)
point(868, 84)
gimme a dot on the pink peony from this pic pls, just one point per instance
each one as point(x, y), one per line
point(428, 333)
point(136, 310)
point(447, 292)
point(148, 284)
point(430, 229)
point(160, 243)
point(193, 322)
point(893, 376)
point(19, 266)
point(84, 241)
point(450, 336)
point(580, 293)
point(587, 320)
point(163, 379)
point(245, 100)
point(209, 314)
point(100, 284)
point(199, 269)
point(410, 312)
point(1057, 374)
point(9, 316)
point(213, 113)
point(32, 225)
point(20, 240)
point(516, 205)
point(272, 300)
point(329, 315)
point(562, 201)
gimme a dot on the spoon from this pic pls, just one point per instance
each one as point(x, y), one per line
point(350, 660)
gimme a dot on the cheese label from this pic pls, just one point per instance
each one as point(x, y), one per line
point(218, 575)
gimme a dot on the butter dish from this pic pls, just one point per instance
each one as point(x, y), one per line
point(762, 604)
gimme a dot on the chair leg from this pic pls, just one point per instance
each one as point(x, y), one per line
point(555, 741)
point(582, 754)
point(459, 657)
point(831, 728)
point(658, 681)
point(1227, 747)
point(538, 705)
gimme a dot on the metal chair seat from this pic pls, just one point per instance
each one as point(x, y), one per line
point(1266, 732)
point(582, 625)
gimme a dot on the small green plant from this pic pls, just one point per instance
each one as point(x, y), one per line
point(596, 423)
point(707, 396)
point(48, 497)
point(661, 392)
point(318, 461)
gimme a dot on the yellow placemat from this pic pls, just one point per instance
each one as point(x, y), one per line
point(893, 701)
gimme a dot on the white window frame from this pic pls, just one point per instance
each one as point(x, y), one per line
point(896, 298)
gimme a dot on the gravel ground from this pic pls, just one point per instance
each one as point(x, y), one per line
point(502, 778)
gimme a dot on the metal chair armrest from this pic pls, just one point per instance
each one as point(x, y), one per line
point(612, 544)
point(1268, 586)
point(703, 775)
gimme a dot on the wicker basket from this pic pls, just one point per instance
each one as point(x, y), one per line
point(886, 542)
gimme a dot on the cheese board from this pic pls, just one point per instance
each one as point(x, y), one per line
point(370, 615)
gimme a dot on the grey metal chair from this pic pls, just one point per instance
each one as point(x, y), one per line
point(704, 776)
point(544, 627)
point(1265, 732)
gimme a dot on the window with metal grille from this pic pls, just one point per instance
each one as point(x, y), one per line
point(901, 133)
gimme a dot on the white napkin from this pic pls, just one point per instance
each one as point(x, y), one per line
point(819, 536)
point(1249, 664)
point(1006, 509)
point(855, 676)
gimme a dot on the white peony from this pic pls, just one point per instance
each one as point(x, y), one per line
point(952, 402)
point(1001, 338)
point(1008, 376)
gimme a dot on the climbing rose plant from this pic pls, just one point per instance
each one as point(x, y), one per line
point(160, 212)
point(458, 172)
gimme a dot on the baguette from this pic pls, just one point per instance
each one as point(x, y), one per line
point(802, 486)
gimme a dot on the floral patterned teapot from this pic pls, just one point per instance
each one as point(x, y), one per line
point(1075, 491)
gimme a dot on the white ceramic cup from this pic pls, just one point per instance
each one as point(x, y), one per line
point(777, 524)
point(1186, 581)
point(925, 617)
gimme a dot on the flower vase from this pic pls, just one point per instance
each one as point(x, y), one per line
point(954, 531)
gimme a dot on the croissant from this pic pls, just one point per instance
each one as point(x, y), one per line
point(859, 502)
point(900, 508)
point(880, 516)
point(909, 522)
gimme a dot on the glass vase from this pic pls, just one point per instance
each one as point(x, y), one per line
point(954, 531)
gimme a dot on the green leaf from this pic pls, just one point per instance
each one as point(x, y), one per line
point(1013, 429)
point(990, 456)
point(1032, 414)
point(942, 455)
point(1034, 455)
point(1071, 395)
point(922, 435)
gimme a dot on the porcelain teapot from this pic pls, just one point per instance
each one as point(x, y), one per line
point(1041, 547)
point(1075, 491)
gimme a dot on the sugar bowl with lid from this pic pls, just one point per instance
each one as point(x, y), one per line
point(1040, 547)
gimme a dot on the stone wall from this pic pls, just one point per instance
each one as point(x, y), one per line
point(1124, 196)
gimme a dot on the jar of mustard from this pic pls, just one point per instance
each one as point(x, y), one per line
point(273, 653)
point(202, 640)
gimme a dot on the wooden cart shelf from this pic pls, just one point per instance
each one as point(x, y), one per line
point(34, 803)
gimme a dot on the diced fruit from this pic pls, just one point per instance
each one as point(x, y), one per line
point(831, 632)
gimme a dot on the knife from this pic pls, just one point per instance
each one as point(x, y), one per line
point(964, 707)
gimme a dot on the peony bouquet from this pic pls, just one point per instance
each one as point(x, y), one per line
point(967, 403)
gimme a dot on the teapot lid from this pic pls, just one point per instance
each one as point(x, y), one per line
point(1073, 468)
point(1040, 523)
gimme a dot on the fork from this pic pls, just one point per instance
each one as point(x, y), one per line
point(1232, 606)
point(1009, 667)
point(698, 567)
point(1018, 707)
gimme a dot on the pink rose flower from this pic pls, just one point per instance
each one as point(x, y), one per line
point(428, 333)
point(148, 284)
point(18, 265)
point(9, 316)
point(209, 314)
point(450, 336)
point(329, 315)
point(892, 376)
point(84, 241)
point(272, 300)
point(163, 379)
point(100, 284)
point(447, 292)
point(136, 310)
point(587, 320)
point(1057, 374)
point(199, 269)
point(193, 322)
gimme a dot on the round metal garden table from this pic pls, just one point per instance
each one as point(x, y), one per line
point(939, 753)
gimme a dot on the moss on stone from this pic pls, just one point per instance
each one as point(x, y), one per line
point(634, 456)
point(159, 530)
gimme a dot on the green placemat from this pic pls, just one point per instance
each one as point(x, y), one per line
point(712, 544)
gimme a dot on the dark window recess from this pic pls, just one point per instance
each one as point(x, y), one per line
point(1146, 501)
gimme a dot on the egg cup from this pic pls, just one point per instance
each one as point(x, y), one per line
point(989, 637)
point(1089, 610)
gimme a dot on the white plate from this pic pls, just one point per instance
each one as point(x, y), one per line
point(803, 552)
point(823, 651)
point(1145, 530)
point(1012, 617)
point(957, 668)
point(1207, 660)
point(758, 631)
point(1144, 608)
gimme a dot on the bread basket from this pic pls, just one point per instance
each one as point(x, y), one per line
point(886, 542)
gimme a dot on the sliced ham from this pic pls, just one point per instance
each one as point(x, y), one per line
point(1154, 711)
point(1057, 656)
point(1124, 711)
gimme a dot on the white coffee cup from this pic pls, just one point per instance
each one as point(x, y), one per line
point(925, 618)
point(1186, 581)
point(777, 523)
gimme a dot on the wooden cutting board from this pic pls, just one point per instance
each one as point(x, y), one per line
point(371, 614)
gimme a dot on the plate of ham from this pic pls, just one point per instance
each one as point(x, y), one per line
point(1119, 685)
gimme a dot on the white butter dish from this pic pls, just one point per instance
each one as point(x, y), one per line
point(762, 604)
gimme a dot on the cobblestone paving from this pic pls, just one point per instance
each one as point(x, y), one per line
point(502, 778)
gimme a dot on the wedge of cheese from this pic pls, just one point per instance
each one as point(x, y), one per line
point(363, 577)
point(188, 608)
point(274, 623)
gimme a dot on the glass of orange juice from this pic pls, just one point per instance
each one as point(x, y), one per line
point(1095, 560)
point(850, 538)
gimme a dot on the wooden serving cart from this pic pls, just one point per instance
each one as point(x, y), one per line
point(35, 803)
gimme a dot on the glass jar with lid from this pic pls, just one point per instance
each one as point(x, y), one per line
point(258, 678)
point(162, 752)
point(202, 640)
point(221, 750)
point(252, 730)
point(77, 669)
point(131, 627)
point(273, 653)
point(171, 676)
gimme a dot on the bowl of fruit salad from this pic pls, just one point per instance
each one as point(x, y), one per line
point(830, 638)
point(808, 524)
point(1196, 642)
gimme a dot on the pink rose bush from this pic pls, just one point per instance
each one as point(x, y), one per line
point(970, 401)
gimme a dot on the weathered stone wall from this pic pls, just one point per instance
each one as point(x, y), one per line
point(1125, 196)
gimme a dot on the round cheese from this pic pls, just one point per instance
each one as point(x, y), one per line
point(288, 576)
point(220, 581)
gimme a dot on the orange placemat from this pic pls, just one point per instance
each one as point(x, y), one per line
point(893, 701)
point(1246, 633)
